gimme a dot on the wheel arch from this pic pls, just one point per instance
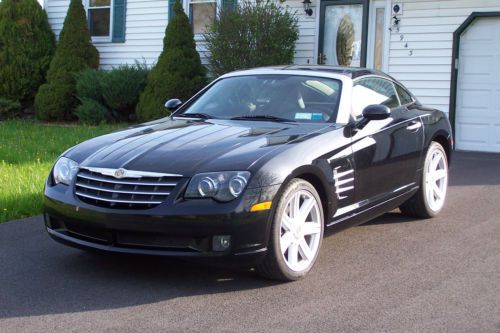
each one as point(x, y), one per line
point(443, 139)
point(318, 179)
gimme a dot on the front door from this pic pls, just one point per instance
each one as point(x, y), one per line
point(343, 33)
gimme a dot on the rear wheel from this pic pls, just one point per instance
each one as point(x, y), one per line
point(430, 198)
point(296, 233)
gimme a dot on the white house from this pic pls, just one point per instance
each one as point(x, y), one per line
point(445, 51)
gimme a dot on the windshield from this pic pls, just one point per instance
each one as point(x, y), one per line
point(269, 97)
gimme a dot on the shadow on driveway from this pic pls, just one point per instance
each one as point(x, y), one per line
point(39, 276)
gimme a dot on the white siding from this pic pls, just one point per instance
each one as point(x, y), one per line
point(306, 46)
point(145, 25)
point(420, 53)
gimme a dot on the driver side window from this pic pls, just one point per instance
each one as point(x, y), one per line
point(373, 91)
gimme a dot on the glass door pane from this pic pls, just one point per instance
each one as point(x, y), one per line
point(379, 38)
point(342, 35)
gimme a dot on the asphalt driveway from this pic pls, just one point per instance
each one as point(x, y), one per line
point(392, 274)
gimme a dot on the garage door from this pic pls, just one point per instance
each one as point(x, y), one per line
point(477, 121)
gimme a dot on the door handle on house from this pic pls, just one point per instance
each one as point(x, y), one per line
point(321, 58)
point(414, 126)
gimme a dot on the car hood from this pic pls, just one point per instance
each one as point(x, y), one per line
point(188, 147)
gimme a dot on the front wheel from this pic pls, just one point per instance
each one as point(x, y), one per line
point(296, 233)
point(430, 198)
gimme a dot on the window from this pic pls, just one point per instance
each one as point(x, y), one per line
point(379, 38)
point(99, 16)
point(404, 96)
point(202, 14)
point(373, 91)
point(298, 98)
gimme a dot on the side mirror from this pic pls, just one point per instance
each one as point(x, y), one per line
point(376, 112)
point(173, 104)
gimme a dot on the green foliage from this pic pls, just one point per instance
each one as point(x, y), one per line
point(178, 73)
point(257, 33)
point(121, 88)
point(74, 53)
point(9, 108)
point(117, 90)
point(27, 45)
point(27, 152)
point(89, 84)
point(92, 112)
point(52, 101)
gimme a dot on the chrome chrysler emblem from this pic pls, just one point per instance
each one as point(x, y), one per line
point(120, 173)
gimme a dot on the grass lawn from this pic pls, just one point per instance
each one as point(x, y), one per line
point(27, 153)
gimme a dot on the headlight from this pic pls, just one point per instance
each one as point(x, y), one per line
point(64, 171)
point(221, 186)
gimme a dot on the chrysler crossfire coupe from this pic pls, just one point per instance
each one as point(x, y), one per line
point(253, 168)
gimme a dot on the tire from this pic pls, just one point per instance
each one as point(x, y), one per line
point(430, 198)
point(293, 230)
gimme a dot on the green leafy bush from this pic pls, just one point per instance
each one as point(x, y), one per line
point(92, 112)
point(257, 33)
point(89, 84)
point(9, 108)
point(56, 99)
point(178, 73)
point(27, 45)
point(117, 90)
point(51, 101)
point(121, 88)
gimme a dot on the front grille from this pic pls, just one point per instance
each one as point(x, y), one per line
point(142, 191)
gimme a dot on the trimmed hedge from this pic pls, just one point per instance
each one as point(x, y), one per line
point(55, 99)
point(92, 112)
point(116, 91)
point(27, 45)
point(178, 73)
point(121, 88)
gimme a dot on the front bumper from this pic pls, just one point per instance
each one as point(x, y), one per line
point(177, 227)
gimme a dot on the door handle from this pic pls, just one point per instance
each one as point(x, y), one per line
point(321, 58)
point(414, 126)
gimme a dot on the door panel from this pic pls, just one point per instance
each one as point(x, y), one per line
point(388, 165)
point(386, 152)
point(343, 33)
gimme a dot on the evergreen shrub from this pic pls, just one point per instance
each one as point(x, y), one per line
point(178, 73)
point(56, 99)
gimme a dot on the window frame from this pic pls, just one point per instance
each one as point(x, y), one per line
point(413, 100)
point(218, 3)
point(356, 82)
point(186, 5)
point(101, 39)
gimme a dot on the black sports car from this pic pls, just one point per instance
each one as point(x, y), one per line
point(253, 168)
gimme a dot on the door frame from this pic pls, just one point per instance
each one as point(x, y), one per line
point(455, 61)
point(364, 25)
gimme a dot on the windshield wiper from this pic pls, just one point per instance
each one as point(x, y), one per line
point(262, 117)
point(193, 115)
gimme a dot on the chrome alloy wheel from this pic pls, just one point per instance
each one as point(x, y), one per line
point(300, 231)
point(436, 180)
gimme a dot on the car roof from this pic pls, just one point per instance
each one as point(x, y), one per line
point(351, 72)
